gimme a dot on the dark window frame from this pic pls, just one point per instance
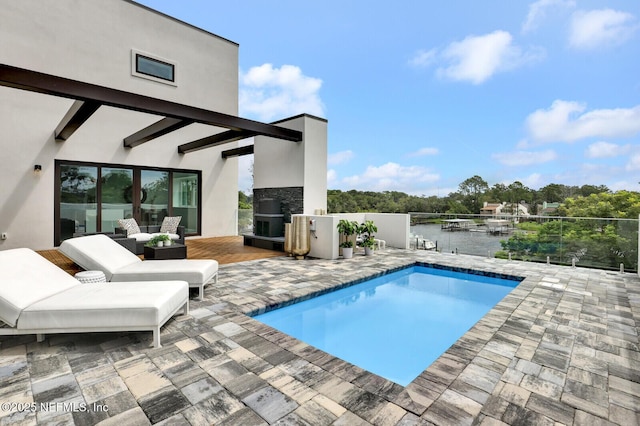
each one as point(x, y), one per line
point(136, 170)
point(138, 56)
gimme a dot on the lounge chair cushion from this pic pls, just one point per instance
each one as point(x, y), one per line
point(26, 279)
point(98, 252)
point(192, 271)
point(98, 305)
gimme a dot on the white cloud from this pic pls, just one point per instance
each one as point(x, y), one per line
point(423, 58)
point(391, 176)
point(534, 180)
point(477, 58)
point(267, 93)
point(424, 152)
point(595, 28)
point(525, 158)
point(332, 178)
point(606, 150)
point(340, 157)
point(567, 121)
point(634, 163)
point(538, 12)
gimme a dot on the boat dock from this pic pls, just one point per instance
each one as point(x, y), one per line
point(458, 225)
point(499, 226)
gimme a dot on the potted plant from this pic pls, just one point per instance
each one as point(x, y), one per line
point(159, 241)
point(367, 229)
point(347, 228)
point(347, 249)
point(368, 244)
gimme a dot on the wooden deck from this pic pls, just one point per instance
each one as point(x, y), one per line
point(223, 249)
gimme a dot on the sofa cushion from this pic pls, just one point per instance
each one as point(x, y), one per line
point(27, 278)
point(129, 225)
point(172, 236)
point(141, 236)
point(170, 224)
point(98, 252)
point(95, 306)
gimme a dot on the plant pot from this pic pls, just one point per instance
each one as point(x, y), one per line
point(368, 251)
point(347, 252)
point(167, 243)
point(160, 243)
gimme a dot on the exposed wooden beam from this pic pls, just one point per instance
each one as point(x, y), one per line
point(79, 112)
point(34, 81)
point(236, 152)
point(217, 139)
point(157, 129)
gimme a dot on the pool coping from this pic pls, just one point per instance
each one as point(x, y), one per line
point(266, 309)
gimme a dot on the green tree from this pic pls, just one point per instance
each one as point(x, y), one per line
point(552, 193)
point(620, 204)
point(244, 202)
point(497, 193)
point(586, 190)
point(472, 190)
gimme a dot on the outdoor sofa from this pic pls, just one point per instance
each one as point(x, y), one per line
point(146, 233)
point(101, 253)
point(37, 297)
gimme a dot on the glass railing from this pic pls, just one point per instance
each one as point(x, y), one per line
point(245, 221)
point(603, 243)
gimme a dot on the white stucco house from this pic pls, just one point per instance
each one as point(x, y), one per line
point(109, 109)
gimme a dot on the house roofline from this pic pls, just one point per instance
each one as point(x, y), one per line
point(157, 12)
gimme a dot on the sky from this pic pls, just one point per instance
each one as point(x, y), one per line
point(421, 95)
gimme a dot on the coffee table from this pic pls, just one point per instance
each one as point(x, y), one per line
point(174, 251)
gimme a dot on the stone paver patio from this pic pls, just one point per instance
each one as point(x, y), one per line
point(562, 348)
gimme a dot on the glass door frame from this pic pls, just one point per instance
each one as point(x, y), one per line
point(136, 192)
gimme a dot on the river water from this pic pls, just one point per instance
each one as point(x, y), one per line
point(477, 243)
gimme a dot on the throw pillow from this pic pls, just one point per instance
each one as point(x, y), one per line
point(170, 224)
point(129, 225)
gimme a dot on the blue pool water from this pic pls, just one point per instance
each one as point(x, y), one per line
point(395, 325)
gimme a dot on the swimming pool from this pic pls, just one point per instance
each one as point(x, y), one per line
point(395, 325)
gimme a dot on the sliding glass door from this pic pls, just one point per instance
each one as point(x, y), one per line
point(154, 202)
point(185, 200)
point(115, 197)
point(92, 197)
point(77, 200)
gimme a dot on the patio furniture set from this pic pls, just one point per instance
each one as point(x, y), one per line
point(134, 237)
point(117, 291)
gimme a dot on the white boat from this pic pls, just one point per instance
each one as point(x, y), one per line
point(419, 242)
point(429, 245)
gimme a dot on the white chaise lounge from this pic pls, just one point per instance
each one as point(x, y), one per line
point(101, 253)
point(37, 297)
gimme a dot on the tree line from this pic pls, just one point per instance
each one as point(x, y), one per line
point(472, 193)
